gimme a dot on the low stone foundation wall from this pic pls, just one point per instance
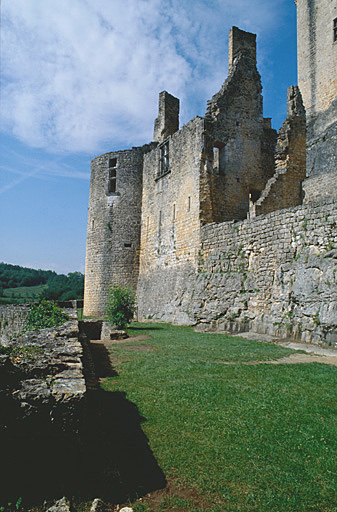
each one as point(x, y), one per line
point(12, 321)
point(43, 406)
point(13, 317)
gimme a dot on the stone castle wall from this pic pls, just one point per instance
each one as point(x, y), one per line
point(170, 203)
point(113, 234)
point(317, 78)
point(276, 274)
point(170, 234)
point(284, 189)
point(242, 158)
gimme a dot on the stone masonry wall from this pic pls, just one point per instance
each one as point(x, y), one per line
point(284, 189)
point(317, 57)
point(170, 234)
point(237, 132)
point(320, 188)
point(317, 79)
point(113, 234)
point(43, 405)
point(12, 321)
point(276, 274)
point(167, 121)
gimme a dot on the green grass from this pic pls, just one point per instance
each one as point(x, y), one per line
point(25, 293)
point(248, 437)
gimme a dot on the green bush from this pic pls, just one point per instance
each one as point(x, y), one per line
point(43, 315)
point(120, 306)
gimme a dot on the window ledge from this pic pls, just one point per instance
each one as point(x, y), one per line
point(162, 175)
point(113, 194)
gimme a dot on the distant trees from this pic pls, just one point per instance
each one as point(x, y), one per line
point(59, 286)
point(62, 287)
point(14, 276)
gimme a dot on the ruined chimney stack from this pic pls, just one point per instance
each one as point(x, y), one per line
point(240, 42)
point(295, 105)
point(167, 121)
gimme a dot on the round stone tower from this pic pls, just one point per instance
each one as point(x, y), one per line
point(113, 234)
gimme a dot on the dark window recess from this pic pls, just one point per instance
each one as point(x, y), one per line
point(127, 245)
point(253, 196)
point(335, 29)
point(163, 159)
point(219, 158)
point(112, 181)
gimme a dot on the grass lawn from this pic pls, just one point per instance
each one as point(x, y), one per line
point(22, 294)
point(25, 292)
point(244, 437)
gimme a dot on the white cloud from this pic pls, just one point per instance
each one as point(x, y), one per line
point(84, 75)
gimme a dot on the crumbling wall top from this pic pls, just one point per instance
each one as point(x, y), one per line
point(295, 105)
point(167, 121)
point(240, 42)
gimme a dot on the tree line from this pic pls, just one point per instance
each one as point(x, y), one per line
point(58, 286)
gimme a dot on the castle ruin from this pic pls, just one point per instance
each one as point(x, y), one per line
point(226, 224)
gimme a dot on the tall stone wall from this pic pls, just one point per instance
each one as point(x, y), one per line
point(170, 202)
point(284, 189)
point(320, 188)
point(317, 78)
point(237, 132)
point(113, 233)
point(276, 274)
point(170, 233)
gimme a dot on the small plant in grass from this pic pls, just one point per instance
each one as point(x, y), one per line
point(43, 315)
point(120, 306)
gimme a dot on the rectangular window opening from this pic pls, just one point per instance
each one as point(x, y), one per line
point(112, 179)
point(127, 245)
point(216, 161)
point(163, 159)
point(219, 158)
point(174, 213)
point(335, 30)
point(189, 204)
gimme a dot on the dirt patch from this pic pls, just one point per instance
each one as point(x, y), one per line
point(140, 348)
point(174, 497)
point(141, 337)
point(292, 359)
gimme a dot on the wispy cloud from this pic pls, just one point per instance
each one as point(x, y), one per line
point(27, 166)
point(83, 73)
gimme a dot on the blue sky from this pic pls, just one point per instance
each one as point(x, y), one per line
point(82, 77)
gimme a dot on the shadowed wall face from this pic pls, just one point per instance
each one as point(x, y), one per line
point(317, 78)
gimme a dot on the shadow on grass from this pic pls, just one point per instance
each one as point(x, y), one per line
point(154, 328)
point(109, 458)
point(112, 459)
point(121, 463)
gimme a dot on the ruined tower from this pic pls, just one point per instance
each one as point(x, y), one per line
point(317, 79)
point(113, 233)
